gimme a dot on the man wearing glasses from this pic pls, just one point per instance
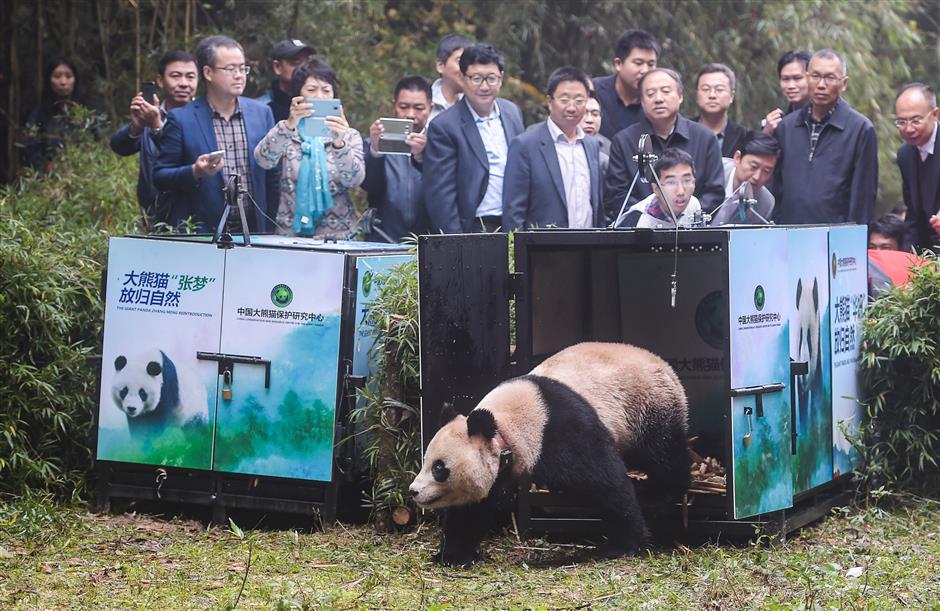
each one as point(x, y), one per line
point(828, 168)
point(553, 172)
point(916, 112)
point(223, 121)
point(661, 95)
point(465, 158)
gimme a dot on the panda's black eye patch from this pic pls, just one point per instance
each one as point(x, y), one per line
point(153, 368)
point(123, 392)
point(439, 471)
point(119, 363)
point(142, 394)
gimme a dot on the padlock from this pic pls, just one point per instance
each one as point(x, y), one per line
point(227, 385)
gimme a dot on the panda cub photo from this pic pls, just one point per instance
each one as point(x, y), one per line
point(150, 391)
point(575, 424)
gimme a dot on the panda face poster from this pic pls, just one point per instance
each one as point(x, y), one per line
point(174, 311)
point(809, 343)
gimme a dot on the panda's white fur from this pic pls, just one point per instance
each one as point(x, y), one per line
point(576, 421)
point(808, 349)
point(148, 387)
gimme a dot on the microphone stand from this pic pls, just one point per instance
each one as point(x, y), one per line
point(234, 199)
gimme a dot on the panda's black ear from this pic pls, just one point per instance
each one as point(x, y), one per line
point(481, 422)
point(119, 363)
point(448, 413)
point(816, 294)
point(799, 291)
point(153, 368)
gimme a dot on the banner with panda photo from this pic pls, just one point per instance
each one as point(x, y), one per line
point(809, 343)
point(848, 269)
point(162, 307)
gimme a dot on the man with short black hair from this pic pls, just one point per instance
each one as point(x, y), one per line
point(791, 68)
point(448, 88)
point(887, 233)
point(714, 94)
point(553, 171)
point(675, 169)
point(828, 168)
point(753, 162)
point(285, 57)
point(393, 181)
point(223, 121)
point(662, 94)
point(465, 158)
point(919, 161)
point(635, 54)
point(177, 78)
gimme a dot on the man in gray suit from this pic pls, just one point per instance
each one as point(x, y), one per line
point(553, 171)
point(753, 162)
point(465, 158)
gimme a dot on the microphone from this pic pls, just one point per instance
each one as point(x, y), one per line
point(645, 158)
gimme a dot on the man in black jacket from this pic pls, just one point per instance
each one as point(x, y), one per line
point(661, 95)
point(828, 169)
point(714, 94)
point(919, 160)
point(393, 180)
point(285, 56)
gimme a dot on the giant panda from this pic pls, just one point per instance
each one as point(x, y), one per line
point(576, 423)
point(151, 392)
point(808, 344)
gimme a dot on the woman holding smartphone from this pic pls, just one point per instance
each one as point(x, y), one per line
point(316, 172)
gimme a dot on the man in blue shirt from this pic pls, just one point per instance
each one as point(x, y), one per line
point(636, 54)
point(465, 158)
point(177, 79)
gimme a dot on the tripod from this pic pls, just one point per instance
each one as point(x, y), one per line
point(234, 199)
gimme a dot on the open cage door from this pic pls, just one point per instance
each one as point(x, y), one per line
point(463, 297)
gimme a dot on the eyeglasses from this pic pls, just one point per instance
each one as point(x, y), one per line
point(232, 70)
point(718, 89)
point(672, 183)
point(913, 122)
point(578, 102)
point(829, 79)
point(490, 79)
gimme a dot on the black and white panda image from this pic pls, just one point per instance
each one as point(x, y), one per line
point(576, 424)
point(808, 342)
point(150, 391)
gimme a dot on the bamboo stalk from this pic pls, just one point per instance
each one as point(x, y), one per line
point(39, 58)
point(186, 19)
point(13, 99)
point(153, 23)
point(136, 4)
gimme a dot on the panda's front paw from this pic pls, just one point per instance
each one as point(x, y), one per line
point(454, 557)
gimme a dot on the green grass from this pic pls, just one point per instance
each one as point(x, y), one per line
point(52, 556)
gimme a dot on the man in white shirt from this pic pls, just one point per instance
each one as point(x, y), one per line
point(447, 90)
point(919, 161)
point(553, 171)
point(676, 172)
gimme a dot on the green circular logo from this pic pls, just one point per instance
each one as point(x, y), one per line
point(759, 298)
point(281, 295)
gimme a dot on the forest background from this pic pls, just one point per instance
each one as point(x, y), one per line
point(116, 44)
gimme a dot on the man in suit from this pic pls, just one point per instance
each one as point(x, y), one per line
point(177, 78)
point(661, 92)
point(465, 158)
point(919, 160)
point(714, 95)
point(393, 181)
point(553, 171)
point(222, 120)
point(753, 163)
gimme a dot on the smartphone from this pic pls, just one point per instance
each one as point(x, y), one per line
point(314, 126)
point(215, 156)
point(148, 90)
point(394, 133)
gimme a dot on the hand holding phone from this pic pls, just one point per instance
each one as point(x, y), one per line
point(209, 164)
point(148, 91)
point(393, 136)
point(315, 125)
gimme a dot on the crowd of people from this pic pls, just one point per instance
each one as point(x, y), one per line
point(614, 150)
